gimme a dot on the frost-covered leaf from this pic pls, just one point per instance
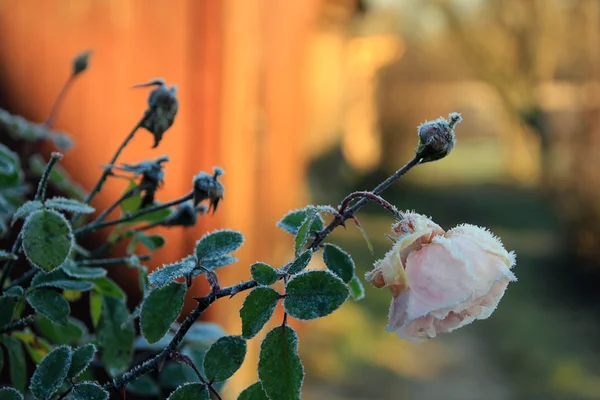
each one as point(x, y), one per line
point(218, 243)
point(49, 303)
point(160, 309)
point(10, 167)
point(51, 373)
point(8, 393)
point(82, 357)
point(191, 391)
point(253, 392)
point(14, 291)
point(338, 261)
point(71, 268)
point(356, 289)
point(5, 255)
point(70, 205)
point(279, 367)
point(115, 335)
point(88, 391)
point(7, 309)
point(217, 262)
point(16, 363)
point(107, 287)
point(314, 294)
point(257, 310)
point(263, 273)
point(292, 221)
point(27, 208)
point(168, 272)
point(59, 279)
point(47, 239)
point(300, 262)
point(70, 333)
point(224, 357)
point(304, 230)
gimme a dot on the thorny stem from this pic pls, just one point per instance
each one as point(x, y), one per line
point(206, 301)
point(112, 161)
point(93, 226)
point(22, 323)
point(39, 195)
point(368, 195)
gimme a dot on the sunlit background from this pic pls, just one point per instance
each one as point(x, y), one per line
point(304, 101)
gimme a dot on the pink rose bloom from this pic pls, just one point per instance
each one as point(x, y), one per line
point(440, 280)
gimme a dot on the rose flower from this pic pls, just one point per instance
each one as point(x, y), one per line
point(441, 281)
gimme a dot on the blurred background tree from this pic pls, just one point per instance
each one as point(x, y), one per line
point(302, 101)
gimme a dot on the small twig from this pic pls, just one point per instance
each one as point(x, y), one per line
point(61, 95)
point(93, 226)
point(22, 323)
point(112, 161)
point(23, 279)
point(39, 195)
point(187, 360)
point(111, 261)
point(284, 322)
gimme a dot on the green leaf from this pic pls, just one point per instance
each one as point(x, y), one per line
point(5, 255)
point(49, 303)
point(292, 221)
point(356, 289)
point(10, 167)
point(304, 230)
point(218, 243)
point(300, 262)
point(152, 242)
point(107, 287)
point(82, 357)
point(71, 268)
point(253, 392)
point(115, 335)
point(16, 363)
point(224, 357)
point(144, 386)
point(8, 393)
point(7, 309)
point(314, 294)
point(59, 279)
point(36, 347)
point(47, 239)
point(168, 272)
point(59, 334)
point(263, 273)
point(160, 309)
point(339, 262)
point(132, 205)
point(51, 373)
point(88, 391)
point(70, 205)
point(95, 308)
point(27, 208)
point(257, 310)
point(279, 367)
point(15, 291)
point(191, 391)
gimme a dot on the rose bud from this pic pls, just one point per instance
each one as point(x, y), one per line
point(436, 138)
point(441, 281)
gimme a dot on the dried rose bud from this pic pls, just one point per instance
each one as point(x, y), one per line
point(81, 61)
point(207, 186)
point(162, 108)
point(441, 281)
point(436, 138)
point(185, 215)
